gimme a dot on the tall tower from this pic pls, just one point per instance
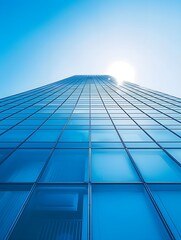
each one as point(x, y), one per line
point(84, 158)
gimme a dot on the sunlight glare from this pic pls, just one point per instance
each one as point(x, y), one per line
point(122, 71)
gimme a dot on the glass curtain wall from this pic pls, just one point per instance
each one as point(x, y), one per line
point(85, 158)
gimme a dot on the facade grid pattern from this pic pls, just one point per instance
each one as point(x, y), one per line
point(85, 158)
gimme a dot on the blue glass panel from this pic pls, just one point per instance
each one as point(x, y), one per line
point(45, 136)
point(73, 145)
point(67, 166)
point(100, 122)
point(168, 198)
point(107, 145)
point(176, 153)
point(134, 136)
point(112, 165)
point(15, 135)
point(51, 127)
point(141, 145)
point(124, 212)
point(23, 165)
point(146, 122)
point(156, 166)
point(110, 127)
point(124, 122)
point(11, 201)
point(38, 145)
point(32, 122)
point(75, 136)
point(9, 122)
point(105, 136)
point(4, 153)
point(163, 135)
point(55, 212)
point(78, 122)
point(56, 122)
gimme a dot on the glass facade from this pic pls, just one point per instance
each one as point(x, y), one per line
point(84, 158)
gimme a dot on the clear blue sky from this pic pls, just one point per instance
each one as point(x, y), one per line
point(42, 41)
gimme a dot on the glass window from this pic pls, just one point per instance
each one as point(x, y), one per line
point(163, 135)
point(134, 136)
point(112, 165)
point(75, 136)
point(55, 122)
point(168, 198)
point(12, 198)
point(45, 136)
point(15, 135)
point(123, 122)
point(156, 166)
point(105, 136)
point(69, 165)
point(54, 212)
point(78, 122)
point(23, 165)
point(124, 212)
point(4, 153)
point(146, 122)
point(101, 122)
point(28, 122)
point(176, 153)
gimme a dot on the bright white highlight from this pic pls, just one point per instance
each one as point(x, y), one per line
point(122, 71)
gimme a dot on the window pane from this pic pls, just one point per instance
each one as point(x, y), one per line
point(176, 153)
point(134, 136)
point(105, 136)
point(4, 153)
point(56, 212)
point(67, 166)
point(45, 136)
point(75, 136)
point(112, 166)
point(15, 135)
point(168, 198)
point(11, 201)
point(23, 166)
point(156, 166)
point(124, 212)
point(163, 135)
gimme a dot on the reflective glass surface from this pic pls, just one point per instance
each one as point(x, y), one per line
point(156, 166)
point(112, 166)
point(67, 166)
point(56, 212)
point(112, 220)
point(86, 158)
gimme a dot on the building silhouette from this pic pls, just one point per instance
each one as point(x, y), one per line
point(84, 158)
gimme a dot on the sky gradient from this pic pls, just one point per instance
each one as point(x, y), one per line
point(43, 41)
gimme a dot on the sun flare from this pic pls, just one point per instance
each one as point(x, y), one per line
point(122, 71)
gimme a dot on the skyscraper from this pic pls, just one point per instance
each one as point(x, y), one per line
point(84, 158)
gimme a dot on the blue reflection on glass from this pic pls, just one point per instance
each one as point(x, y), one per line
point(168, 198)
point(105, 136)
point(23, 166)
point(67, 166)
point(45, 136)
point(15, 135)
point(176, 153)
point(75, 136)
point(112, 165)
point(163, 135)
point(54, 212)
point(134, 136)
point(156, 166)
point(124, 212)
point(12, 198)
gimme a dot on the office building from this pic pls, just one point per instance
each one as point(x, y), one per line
point(85, 158)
